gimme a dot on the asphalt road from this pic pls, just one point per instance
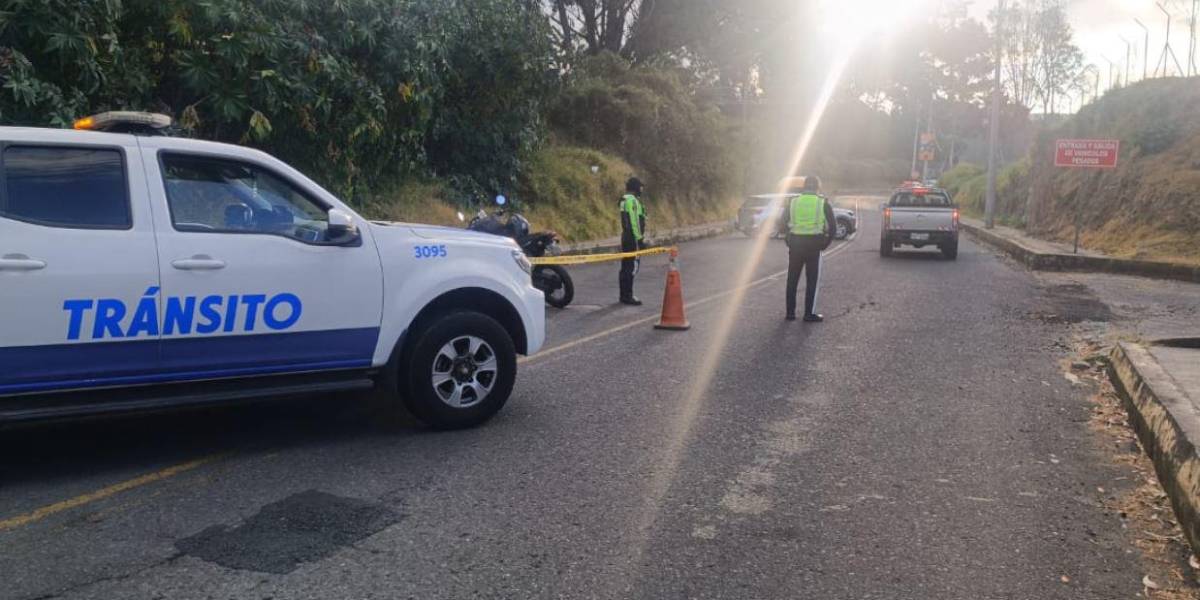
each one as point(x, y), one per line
point(921, 443)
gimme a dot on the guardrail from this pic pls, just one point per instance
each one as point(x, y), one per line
point(663, 238)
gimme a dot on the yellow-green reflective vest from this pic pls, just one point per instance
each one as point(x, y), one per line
point(633, 207)
point(807, 215)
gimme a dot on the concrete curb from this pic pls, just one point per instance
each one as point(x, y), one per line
point(1168, 424)
point(1044, 261)
point(660, 238)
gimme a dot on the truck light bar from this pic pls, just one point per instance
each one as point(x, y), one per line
point(124, 121)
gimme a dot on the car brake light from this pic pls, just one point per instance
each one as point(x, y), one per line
point(956, 218)
point(887, 218)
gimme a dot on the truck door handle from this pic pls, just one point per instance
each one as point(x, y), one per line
point(199, 262)
point(20, 262)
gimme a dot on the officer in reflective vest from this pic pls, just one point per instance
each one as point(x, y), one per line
point(808, 221)
point(633, 230)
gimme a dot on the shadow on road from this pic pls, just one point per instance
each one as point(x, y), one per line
point(918, 255)
point(62, 451)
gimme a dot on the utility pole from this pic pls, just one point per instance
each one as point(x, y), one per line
point(928, 131)
point(989, 211)
point(1167, 50)
point(916, 147)
point(745, 94)
point(1145, 49)
point(1111, 67)
point(1096, 92)
point(1192, 70)
point(1095, 71)
point(1128, 57)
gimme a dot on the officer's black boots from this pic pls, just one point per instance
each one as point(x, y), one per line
point(628, 268)
point(813, 318)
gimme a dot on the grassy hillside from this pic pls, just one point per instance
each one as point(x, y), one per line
point(967, 184)
point(557, 191)
point(1149, 207)
point(564, 195)
point(609, 121)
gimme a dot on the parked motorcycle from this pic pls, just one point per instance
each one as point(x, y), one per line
point(553, 280)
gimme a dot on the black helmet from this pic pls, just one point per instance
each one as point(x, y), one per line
point(634, 185)
point(812, 183)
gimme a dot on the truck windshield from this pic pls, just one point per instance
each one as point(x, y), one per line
point(932, 199)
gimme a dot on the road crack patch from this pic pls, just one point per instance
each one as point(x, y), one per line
point(1069, 303)
point(302, 528)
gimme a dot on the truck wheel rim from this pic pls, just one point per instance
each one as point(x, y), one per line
point(841, 230)
point(464, 371)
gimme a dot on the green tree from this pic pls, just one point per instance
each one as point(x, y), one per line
point(681, 143)
point(1060, 61)
point(355, 91)
point(1041, 60)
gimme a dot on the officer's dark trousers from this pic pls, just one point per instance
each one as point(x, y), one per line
point(804, 254)
point(629, 266)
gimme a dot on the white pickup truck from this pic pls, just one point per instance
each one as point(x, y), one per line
point(140, 271)
point(920, 216)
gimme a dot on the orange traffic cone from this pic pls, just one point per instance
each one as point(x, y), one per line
point(672, 310)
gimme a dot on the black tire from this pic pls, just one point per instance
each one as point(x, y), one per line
point(950, 251)
point(561, 297)
point(885, 247)
point(416, 381)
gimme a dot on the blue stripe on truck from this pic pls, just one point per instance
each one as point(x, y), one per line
point(73, 366)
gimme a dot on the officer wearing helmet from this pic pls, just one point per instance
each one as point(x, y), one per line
point(809, 224)
point(633, 233)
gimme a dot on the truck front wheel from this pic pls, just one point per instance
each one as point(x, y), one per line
point(459, 370)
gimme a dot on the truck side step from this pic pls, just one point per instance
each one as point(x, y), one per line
point(33, 408)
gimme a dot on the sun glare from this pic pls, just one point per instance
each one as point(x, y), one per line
point(857, 19)
point(706, 368)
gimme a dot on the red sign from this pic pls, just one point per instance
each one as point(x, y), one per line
point(1085, 154)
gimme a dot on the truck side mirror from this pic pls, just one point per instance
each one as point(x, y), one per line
point(342, 229)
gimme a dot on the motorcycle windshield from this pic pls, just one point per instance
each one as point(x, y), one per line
point(519, 226)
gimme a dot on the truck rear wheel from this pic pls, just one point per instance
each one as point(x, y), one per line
point(459, 371)
point(885, 247)
point(950, 251)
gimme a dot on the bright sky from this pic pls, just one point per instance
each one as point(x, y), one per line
point(1099, 25)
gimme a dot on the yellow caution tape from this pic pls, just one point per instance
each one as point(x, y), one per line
point(585, 259)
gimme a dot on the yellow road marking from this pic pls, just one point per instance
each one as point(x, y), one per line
point(619, 328)
point(103, 493)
